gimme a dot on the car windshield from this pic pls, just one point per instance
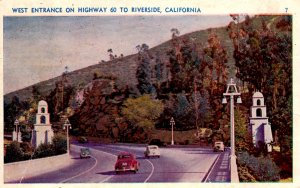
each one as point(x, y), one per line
point(152, 147)
point(124, 156)
point(85, 150)
point(218, 143)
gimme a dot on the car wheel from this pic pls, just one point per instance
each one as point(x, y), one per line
point(117, 172)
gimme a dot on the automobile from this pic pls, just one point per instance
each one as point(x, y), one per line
point(157, 142)
point(85, 153)
point(126, 162)
point(83, 140)
point(219, 146)
point(152, 151)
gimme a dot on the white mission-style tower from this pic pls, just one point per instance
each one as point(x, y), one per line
point(259, 122)
point(42, 132)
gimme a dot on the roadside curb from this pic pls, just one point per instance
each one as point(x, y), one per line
point(210, 169)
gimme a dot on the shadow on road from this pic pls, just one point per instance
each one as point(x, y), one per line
point(75, 158)
point(107, 173)
point(147, 158)
point(203, 153)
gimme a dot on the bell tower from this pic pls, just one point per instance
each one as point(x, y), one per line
point(259, 122)
point(42, 132)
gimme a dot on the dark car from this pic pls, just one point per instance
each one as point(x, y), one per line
point(85, 153)
point(126, 162)
point(157, 142)
point(83, 140)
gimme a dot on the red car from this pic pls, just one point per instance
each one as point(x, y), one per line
point(126, 162)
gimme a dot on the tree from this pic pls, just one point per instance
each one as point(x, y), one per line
point(200, 101)
point(13, 111)
point(111, 56)
point(263, 57)
point(142, 48)
point(144, 71)
point(36, 92)
point(143, 75)
point(242, 135)
point(217, 58)
point(175, 32)
point(142, 111)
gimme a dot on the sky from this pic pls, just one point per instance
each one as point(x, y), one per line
point(38, 48)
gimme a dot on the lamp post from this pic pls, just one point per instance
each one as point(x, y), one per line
point(172, 123)
point(232, 91)
point(68, 125)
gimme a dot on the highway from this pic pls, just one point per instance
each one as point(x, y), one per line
point(176, 164)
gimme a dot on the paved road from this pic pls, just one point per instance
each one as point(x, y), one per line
point(220, 171)
point(174, 165)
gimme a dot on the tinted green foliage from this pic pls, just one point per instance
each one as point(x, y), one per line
point(263, 168)
point(142, 111)
point(44, 150)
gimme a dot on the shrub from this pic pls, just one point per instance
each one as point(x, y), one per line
point(245, 175)
point(44, 150)
point(262, 168)
point(267, 170)
point(187, 142)
point(26, 147)
point(13, 153)
point(59, 144)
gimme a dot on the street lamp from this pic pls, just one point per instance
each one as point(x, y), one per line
point(232, 91)
point(172, 123)
point(67, 124)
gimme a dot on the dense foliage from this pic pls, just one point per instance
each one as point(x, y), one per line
point(23, 151)
point(263, 168)
point(263, 58)
point(142, 111)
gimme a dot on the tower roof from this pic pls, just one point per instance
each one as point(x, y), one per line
point(258, 95)
point(42, 103)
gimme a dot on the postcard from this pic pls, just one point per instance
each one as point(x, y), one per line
point(114, 93)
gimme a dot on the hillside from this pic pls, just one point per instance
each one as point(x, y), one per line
point(125, 68)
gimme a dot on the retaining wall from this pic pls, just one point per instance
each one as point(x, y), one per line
point(15, 172)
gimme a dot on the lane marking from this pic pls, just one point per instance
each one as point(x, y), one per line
point(211, 169)
point(151, 171)
point(108, 178)
point(96, 162)
point(138, 156)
